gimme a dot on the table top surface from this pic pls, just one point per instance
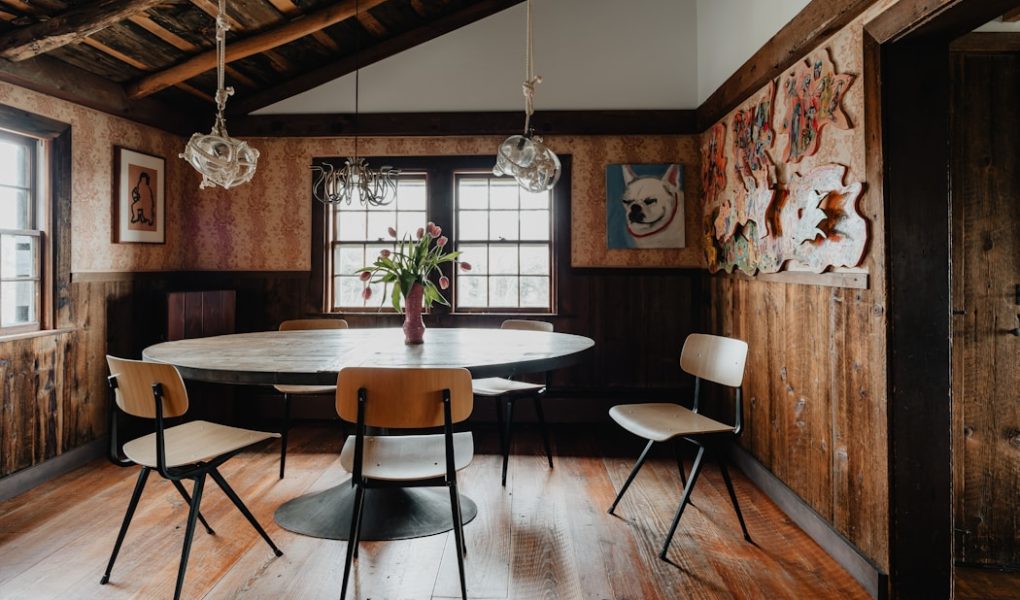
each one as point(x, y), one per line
point(314, 357)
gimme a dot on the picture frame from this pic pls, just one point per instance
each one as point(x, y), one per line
point(645, 206)
point(139, 197)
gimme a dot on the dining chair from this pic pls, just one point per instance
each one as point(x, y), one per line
point(289, 391)
point(191, 450)
point(506, 391)
point(400, 399)
point(711, 358)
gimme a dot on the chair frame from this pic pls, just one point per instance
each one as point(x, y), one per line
point(175, 475)
point(713, 442)
point(361, 483)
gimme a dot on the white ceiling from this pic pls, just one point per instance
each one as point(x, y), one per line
point(592, 54)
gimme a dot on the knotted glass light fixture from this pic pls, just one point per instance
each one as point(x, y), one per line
point(535, 167)
point(221, 159)
point(355, 181)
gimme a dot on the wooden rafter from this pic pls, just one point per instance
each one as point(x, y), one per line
point(372, 24)
point(69, 27)
point(1012, 16)
point(288, 8)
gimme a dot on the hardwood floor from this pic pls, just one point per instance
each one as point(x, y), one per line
point(547, 535)
point(986, 584)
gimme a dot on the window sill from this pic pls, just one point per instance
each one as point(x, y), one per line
point(14, 337)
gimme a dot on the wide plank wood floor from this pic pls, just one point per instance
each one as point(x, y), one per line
point(547, 535)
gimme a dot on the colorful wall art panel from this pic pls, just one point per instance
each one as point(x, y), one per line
point(753, 136)
point(645, 206)
point(821, 219)
point(813, 95)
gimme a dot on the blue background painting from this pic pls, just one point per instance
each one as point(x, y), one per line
point(616, 216)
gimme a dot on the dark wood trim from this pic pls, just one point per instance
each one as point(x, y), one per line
point(20, 482)
point(865, 572)
point(559, 122)
point(924, 17)
point(24, 122)
point(60, 80)
point(917, 244)
point(398, 43)
point(121, 276)
point(985, 41)
point(812, 25)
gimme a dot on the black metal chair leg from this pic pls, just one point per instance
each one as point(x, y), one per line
point(283, 434)
point(499, 424)
point(679, 462)
point(633, 473)
point(458, 521)
point(187, 499)
point(509, 434)
point(695, 471)
point(361, 519)
point(189, 533)
point(352, 539)
point(229, 491)
point(458, 534)
point(733, 497)
point(132, 505)
point(542, 427)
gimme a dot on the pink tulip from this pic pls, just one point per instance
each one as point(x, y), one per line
point(420, 233)
point(366, 293)
point(442, 241)
point(384, 253)
point(465, 266)
point(366, 275)
point(391, 231)
point(444, 282)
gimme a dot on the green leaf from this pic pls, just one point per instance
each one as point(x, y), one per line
point(395, 297)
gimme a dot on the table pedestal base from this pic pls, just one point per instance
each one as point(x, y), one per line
point(389, 514)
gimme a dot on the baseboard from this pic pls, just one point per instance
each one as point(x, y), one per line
point(21, 481)
point(821, 531)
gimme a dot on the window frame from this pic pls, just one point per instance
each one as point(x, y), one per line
point(440, 172)
point(39, 219)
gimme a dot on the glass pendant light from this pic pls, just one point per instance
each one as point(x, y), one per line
point(221, 159)
point(535, 167)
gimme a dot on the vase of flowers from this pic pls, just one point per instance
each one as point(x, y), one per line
point(408, 269)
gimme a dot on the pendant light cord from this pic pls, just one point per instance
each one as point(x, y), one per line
point(357, 73)
point(530, 79)
point(222, 92)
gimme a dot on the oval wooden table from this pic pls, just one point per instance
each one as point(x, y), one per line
point(315, 357)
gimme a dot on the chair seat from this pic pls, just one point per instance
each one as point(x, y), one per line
point(306, 390)
point(497, 386)
point(193, 442)
point(408, 457)
point(661, 421)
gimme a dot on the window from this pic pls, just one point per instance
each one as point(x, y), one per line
point(21, 235)
point(505, 233)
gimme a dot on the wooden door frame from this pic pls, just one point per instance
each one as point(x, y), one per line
point(915, 75)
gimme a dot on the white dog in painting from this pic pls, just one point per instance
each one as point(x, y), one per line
point(654, 208)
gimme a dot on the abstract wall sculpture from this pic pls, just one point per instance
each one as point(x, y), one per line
point(713, 182)
point(753, 137)
point(821, 220)
point(813, 95)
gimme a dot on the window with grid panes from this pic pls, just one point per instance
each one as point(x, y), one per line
point(505, 233)
point(360, 233)
point(21, 235)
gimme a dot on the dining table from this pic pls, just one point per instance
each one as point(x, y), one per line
point(315, 357)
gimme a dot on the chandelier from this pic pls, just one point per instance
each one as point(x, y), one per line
point(355, 181)
point(221, 159)
point(535, 167)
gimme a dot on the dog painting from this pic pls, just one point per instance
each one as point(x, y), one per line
point(645, 206)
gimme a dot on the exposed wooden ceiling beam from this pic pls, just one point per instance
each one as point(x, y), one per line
point(288, 8)
point(1012, 16)
point(372, 24)
point(69, 27)
point(243, 48)
point(163, 33)
point(374, 53)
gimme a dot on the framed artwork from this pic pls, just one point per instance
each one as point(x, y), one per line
point(139, 197)
point(645, 206)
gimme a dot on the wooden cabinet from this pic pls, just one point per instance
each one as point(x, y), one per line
point(199, 314)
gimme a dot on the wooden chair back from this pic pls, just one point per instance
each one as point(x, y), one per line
point(714, 358)
point(404, 398)
point(133, 393)
point(527, 325)
point(301, 324)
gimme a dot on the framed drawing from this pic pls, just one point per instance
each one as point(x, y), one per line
point(139, 203)
point(645, 206)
